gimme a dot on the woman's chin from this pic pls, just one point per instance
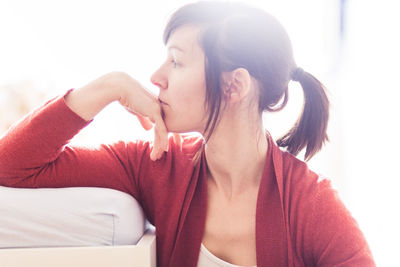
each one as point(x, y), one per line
point(178, 126)
point(178, 129)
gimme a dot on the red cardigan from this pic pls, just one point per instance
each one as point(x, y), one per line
point(300, 221)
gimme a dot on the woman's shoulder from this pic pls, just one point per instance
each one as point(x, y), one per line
point(320, 222)
point(298, 175)
point(291, 172)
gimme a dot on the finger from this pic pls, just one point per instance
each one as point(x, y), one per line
point(162, 133)
point(160, 139)
point(177, 139)
point(156, 151)
point(145, 122)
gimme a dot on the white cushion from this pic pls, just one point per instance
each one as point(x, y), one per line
point(73, 216)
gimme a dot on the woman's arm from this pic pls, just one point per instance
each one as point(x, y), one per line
point(34, 152)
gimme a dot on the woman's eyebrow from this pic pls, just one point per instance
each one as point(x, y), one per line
point(175, 47)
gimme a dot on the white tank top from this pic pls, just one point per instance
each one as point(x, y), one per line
point(207, 259)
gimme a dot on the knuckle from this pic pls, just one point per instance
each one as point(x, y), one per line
point(119, 73)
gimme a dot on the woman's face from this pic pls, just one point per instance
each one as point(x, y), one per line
point(181, 79)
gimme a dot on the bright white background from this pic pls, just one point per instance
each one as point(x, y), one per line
point(56, 45)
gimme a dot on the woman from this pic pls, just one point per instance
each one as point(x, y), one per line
point(232, 198)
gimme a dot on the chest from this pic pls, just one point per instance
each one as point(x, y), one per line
point(230, 228)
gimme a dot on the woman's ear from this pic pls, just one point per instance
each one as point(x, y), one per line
point(236, 84)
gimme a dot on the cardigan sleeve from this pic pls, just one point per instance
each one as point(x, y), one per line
point(337, 238)
point(35, 153)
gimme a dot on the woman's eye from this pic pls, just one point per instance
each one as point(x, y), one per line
point(174, 63)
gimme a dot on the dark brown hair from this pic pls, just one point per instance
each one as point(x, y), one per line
point(235, 35)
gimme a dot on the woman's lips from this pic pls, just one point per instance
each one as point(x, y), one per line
point(162, 102)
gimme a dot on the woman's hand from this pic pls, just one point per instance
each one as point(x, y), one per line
point(142, 103)
point(90, 99)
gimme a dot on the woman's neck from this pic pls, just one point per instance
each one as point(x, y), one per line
point(236, 154)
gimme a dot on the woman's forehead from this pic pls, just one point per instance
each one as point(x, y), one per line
point(184, 39)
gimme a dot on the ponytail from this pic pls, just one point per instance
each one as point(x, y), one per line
point(310, 129)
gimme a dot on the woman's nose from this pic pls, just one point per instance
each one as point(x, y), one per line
point(159, 80)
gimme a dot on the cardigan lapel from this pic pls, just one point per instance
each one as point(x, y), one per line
point(193, 218)
point(271, 243)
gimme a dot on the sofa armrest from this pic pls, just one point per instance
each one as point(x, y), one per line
point(142, 254)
